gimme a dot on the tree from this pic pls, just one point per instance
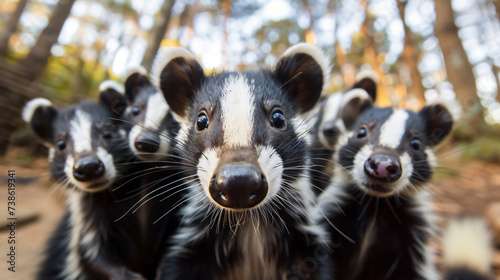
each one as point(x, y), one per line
point(11, 27)
point(21, 81)
point(410, 57)
point(159, 31)
point(458, 68)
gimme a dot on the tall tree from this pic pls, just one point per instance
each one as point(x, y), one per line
point(458, 68)
point(11, 27)
point(410, 57)
point(38, 56)
point(20, 82)
point(159, 30)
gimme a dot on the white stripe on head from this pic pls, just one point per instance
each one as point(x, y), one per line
point(271, 165)
point(393, 129)
point(237, 109)
point(332, 107)
point(156, 111)
point(80, 131)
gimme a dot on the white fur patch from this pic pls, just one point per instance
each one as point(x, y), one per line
point(393, 129)
point(317, 54)
point(206, 168)
point(332, 107)
point(431, 157)
point(237, 109)
point(107, 160)
point(72, 269)
point(352, 94)
point(80, 130)
point(407, 170)
point(134, 69)
point(467, 243)
point(271, 165)
point(163, 57)
point(110, 84)
point(156, 111)
point(451, 104)
point(366, 74)
point(31, 106)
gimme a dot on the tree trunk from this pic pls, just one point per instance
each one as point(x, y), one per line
point(458, 68)
point(11, 27)
point(496, 3)
point(496, 72)
point(410, 57)
point(370, 54)
point(40, 53)
point(158, 33)
point(21, 82)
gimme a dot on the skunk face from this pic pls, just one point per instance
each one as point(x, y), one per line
point(390, 150)
point(153, 126)
point(84, 142)
point(237, 129)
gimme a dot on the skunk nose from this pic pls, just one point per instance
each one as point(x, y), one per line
point(88, 169)
point(147, 142)
point(330, 131)
point(383, 168)
point(238, 186)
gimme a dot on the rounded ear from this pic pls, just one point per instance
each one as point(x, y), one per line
point(438, 120)
point(111, 96)
point(303, 71)
point(135, 79)
point(354, 103)
point(367, 80)
point(178, 75)
point(40, 115)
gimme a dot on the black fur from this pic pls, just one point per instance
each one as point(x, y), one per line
point(390, 230)
point(217, 253)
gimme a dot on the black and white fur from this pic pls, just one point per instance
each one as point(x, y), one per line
point(238, 134)
point(467, 249)
point(88, 153)
point(153, 126)
point(328, 126)
point(378, 198)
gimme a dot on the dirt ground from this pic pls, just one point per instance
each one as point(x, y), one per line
point(459, 187)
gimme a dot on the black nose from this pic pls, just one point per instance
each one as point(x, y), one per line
point(88, 169)
point(238, 186)
point(383, 167)
point(330, 131)
point(147, 142)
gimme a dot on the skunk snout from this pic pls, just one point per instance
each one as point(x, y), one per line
point(147, 142)
point(382, 167)
point(238, 186)
point(88, 169)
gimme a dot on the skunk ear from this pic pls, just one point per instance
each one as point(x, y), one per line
point(354, 103)
point(178, 75)
point(303, 71)
point(40, 115)
point(367, 80)
point(135, 79)
point(438, 119)
point(111, 96)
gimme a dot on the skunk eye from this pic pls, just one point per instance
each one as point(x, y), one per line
point(277, 120)
point(362, 133)
point(415, 143)
point(61, 144)
point(202, 122)
point(136, 111)
point(106, 134)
